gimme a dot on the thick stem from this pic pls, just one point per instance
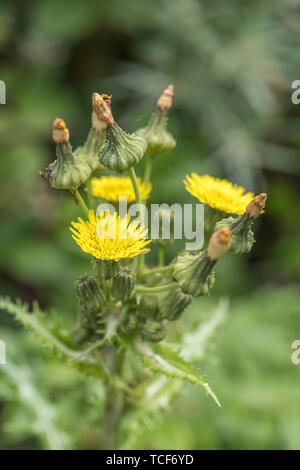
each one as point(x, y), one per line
point(114, 404)
point(156, 290)
point(81, 202)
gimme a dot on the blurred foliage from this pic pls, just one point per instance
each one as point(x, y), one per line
point(232, 64)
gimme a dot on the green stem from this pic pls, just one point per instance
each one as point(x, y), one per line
point(138, 198)
point(148, 170)
point(160, 269)
point(90, 194)
point(81, 202)
point(161, 255)
point(156, 290)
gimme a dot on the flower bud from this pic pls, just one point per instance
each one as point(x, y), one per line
point(120, 151)
point(96, 136)
point(123, 284)
point(194, 272)
point(219, 243)
point(256, 206)
point(90, 295)
point(68, 171)
point(159, 140)
point(130, 323)
point(174, 303)
point(242, 237)
point(153, 331)
point(148, 307)
point(105, 269)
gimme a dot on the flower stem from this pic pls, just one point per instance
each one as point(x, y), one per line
point(148, 170)
point(160, 269)
point(156, 290)
point(138, 198)
point(90, 194)
point(161, 255)
point(81, 202)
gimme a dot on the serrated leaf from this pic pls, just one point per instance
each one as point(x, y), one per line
point(167, 361)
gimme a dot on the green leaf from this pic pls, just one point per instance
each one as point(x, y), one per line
point(167, 361)
point(86, 364)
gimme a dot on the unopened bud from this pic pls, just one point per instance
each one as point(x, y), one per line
point(68, 171)
point(255, 207)
point(153, 331)
point(60, 133)
point(194, 273)
point(165, 101)
point(174, 303)
point(123, 284)
point(148, 307)
point(120, 151)
point(90, 295)
point(158, 138)
point(101, 108)
point(219, 243)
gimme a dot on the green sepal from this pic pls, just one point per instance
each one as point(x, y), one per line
point(121, 151)
point(68, 171)
point(159, 140)
point(194, 273)
point(242, 236)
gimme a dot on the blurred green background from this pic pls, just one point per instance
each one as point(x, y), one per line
point(232, 64)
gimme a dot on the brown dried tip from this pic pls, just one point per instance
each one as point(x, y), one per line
point(219, 243)
point(165, 101)
point(102, 108)
point(60, 133)
point(257, 204)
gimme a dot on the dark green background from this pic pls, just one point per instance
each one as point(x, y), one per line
point(232, 64)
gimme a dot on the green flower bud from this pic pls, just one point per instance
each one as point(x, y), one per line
point(90, 295)
point(130, 323)
point(123, 284)
point(174, 303)
point(68, 171)
point(148, 307)
point(153, 331)
point(121, 151)
point(105, 269)
point(194, 272)
point(96, 137)
point(242, 237)
point(159, 140)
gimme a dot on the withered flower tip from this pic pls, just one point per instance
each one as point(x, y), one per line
point(60, 133)
point(165, 101)
point(101, 105)
point(257, 204)
point(219, 243)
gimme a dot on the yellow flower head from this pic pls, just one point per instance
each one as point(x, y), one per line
point(112, 188)
point(218, 194)
point(109, 237)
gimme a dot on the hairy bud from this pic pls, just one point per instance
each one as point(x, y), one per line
point(174, 303)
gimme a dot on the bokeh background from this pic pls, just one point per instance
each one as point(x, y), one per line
point(232, 64)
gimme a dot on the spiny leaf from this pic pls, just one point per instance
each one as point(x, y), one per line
point(165, 360)
point(77, 359)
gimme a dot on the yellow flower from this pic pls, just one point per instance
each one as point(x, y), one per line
point(112, 188)
point(109, 237)
point(218, 194)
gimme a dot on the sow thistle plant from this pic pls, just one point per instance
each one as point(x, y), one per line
point(124, 306)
